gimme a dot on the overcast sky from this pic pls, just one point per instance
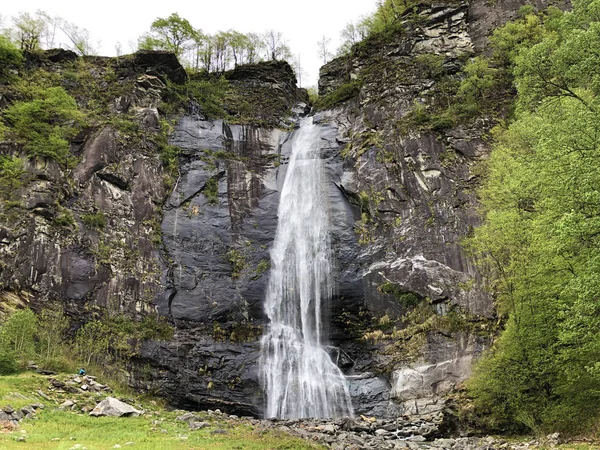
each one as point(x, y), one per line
point(302, 23)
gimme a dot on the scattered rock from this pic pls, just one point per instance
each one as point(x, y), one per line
point(198, 425)
point(43, 395)
point(219, 431)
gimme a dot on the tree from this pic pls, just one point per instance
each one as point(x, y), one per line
point(255, 47)
point(276, 46)
point(51, 332)
point(539, 244)
point(80, 38)
point(18, 332)
point(221, 46)
point(323, 49)
point(351, 34)
point(298, 69)
point(28, 31)
point(171, 34)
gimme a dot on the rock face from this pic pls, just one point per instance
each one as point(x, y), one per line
point(408, 316)
point(87, 234)
point(423, 312)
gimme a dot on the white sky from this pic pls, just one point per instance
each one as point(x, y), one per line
point(302, 23)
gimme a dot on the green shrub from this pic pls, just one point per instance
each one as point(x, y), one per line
point(12, 175)
point(64, 218)
point(95, 220)
point(46, 122)
point(8, 362)
point(206, 91)
point(237, 261)
point(406, 299)
point(211, 190)
point(10, 59)
point(343, 93)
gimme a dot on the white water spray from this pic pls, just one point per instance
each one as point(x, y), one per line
point(298, 375)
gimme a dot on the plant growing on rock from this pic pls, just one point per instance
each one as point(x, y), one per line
point(10, 60)
point(96, 220)
point(45, 122)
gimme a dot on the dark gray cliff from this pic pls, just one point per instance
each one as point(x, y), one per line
point(424, 316)
point(218, 226)
point(48, 250)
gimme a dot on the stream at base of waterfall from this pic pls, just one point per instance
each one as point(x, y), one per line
point(298, 375)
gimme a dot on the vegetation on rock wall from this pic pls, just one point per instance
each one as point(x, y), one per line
point(103, 345)
point(539, 241)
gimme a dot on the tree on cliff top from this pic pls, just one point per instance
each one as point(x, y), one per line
point(172, 34)
point(276, 45)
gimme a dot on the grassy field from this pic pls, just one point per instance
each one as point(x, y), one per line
point(54, 428)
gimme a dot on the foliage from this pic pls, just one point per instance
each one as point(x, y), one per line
point(406, 299)
point(96, 220)
point(64, 218)
point(215, 53)
point(46, 122)
point(10, 59)
point(114, 339)
point(211, 190)
point(341, 94)
point(237, 261)
point(12, 175)
point(171, 34)
point(28, 31)
point(205, 92)
point(17, 334)
point(539, 243)
point(52, 328)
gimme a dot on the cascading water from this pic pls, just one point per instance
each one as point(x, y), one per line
point(298, 375)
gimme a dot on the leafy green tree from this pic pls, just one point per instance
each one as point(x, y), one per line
point(17, 334)
point(92, 342)
point(172, 34)
point(255, 48)
point(479, 83)
point(29, 30)
point(12, 175)
point(539, 244)
point(51, 332)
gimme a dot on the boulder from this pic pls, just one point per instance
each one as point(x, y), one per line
point(113, 407)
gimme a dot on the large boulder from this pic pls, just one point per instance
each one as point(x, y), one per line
point(113, 407)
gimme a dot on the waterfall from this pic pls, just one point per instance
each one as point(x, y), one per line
point(298, 375)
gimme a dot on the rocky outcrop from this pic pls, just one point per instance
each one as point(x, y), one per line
point(86, 234)
point(425, 316)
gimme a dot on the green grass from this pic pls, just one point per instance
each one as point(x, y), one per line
point(68, 428)
point(157, 429)
point(25, 384)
